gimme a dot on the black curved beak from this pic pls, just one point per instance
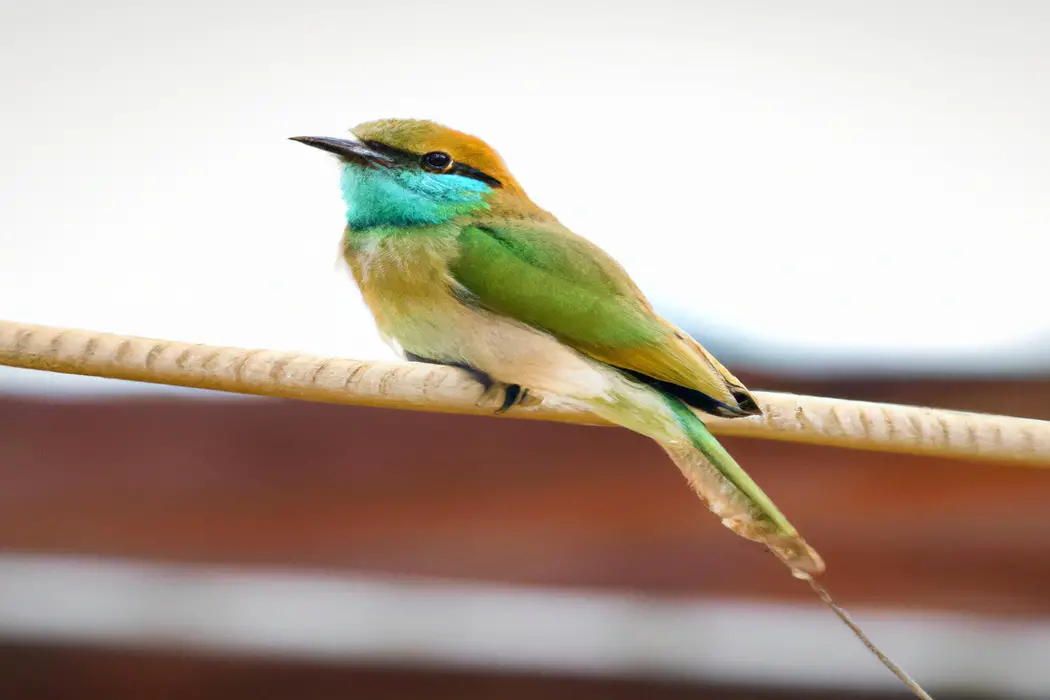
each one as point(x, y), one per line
point(351, 150)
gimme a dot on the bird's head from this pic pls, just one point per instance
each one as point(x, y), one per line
point(407, 172)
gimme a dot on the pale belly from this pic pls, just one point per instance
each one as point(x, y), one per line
point(504, 349)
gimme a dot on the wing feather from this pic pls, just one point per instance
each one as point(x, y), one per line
point(544, 275)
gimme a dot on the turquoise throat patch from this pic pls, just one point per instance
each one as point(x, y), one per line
point(395, 197)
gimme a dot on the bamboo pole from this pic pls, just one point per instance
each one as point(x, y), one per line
point(413, 386)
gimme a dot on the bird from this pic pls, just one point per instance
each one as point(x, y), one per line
point(460, 267)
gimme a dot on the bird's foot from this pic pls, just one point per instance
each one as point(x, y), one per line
point(513, 394)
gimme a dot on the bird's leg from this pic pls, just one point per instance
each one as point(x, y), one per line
point(513, 394)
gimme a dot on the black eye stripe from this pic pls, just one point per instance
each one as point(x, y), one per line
point(409, 159)
point(467, 171)
point(394, 154)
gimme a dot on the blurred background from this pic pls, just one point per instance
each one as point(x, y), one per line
point(838, 198)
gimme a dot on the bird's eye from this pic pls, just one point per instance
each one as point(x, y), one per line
point(437, 161)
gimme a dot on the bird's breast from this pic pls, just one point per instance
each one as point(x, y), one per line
point(406, 283)
point(400, 267)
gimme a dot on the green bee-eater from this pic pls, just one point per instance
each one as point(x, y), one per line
point(459, 267)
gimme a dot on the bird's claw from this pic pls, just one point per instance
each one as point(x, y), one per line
point(513, 394)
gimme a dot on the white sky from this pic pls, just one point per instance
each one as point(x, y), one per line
point(824, 182)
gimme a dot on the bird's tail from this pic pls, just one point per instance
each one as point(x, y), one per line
point(748, 512)
point(733, 496)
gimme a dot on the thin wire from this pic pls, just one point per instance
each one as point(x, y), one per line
point(825, 597)
point(407, 385)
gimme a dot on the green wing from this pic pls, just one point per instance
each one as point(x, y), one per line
point(542, 274)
